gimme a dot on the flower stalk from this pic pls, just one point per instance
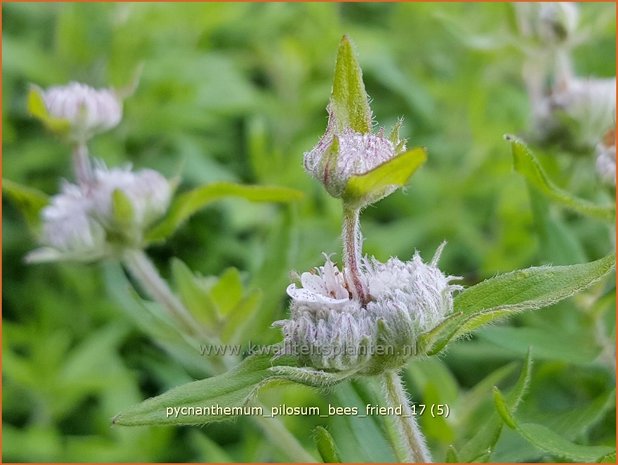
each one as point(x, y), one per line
point(406, 436)
point(82, 166)
point(352, 247)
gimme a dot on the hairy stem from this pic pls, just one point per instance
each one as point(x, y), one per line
point(82, 164)
point(352, 247)
point(408, 440)
point(144, 272)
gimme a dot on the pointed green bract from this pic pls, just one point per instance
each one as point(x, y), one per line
point(527, 165)
point(36, 107)
point(349, 102)
point(122, 209)
point(372, 186)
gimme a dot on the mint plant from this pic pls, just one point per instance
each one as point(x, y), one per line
point(411, 309)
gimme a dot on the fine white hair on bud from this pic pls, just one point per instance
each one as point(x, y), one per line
point(606, 158)
point(83, 223)
point(87, 110)
point(339, 156)
point(330, 329)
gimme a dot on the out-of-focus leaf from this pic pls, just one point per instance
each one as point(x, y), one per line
point(369, 187)
point(451, 455)
point(29, 201)
point(326, 445)
point(349, 102)
point(526, 164)
point(190, 202)
point(194, 295)
point(546, 439)
point(227, 291)
point(483, 443)
point(551, 345)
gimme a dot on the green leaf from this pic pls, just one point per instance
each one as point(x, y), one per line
point(532, 288)
point(122, 208)
point(191, 202)
point(349, 102)
point(232, 389)
point(326, 445)
point(510, 293)
point(239, 319)
point(527, 165)
point(547, 440)
point(227, 291)
point(372, 186)
point(29, 201)
point(194, 294)
point(36, 107)
point(569, 346)
point(484, 441)
point(451, 455)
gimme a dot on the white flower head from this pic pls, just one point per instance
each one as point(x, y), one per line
point(330, 329)
point(580, 111)
point(606, 158)
point(148, 192)
point(548, 22)
point(81, 222)
point(87, 111)
point(339, 155)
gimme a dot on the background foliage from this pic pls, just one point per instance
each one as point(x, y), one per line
point(237, 92)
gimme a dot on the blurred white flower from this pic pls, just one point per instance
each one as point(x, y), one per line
point(582, 110)
point(330, 329)
point(547, 22)
point(81, 223)
point(148, 192)
point(606, 158)
point(87, 110)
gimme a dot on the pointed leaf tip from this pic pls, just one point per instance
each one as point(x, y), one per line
point(349, 100)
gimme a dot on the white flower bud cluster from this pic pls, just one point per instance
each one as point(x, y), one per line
point(330, 329)
point(547, 22)
point(80, 223)
point(606, 158)
point(88, 111)
point(339, 156)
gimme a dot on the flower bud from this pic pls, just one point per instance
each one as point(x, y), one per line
point(547, 22)
point(330, 329)
point(86, 111)
point(339, 156)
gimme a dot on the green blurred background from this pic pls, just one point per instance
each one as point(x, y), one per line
point(238, 92)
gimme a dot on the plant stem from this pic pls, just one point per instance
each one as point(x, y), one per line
point(82, 164)
point(409, 442)
point(352, 246)
point(144, 271)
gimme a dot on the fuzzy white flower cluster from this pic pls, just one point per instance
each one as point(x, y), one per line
point(339, 156)
point(332, 330)
point(81, 223)
point(586, 105)
point(87, 110)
